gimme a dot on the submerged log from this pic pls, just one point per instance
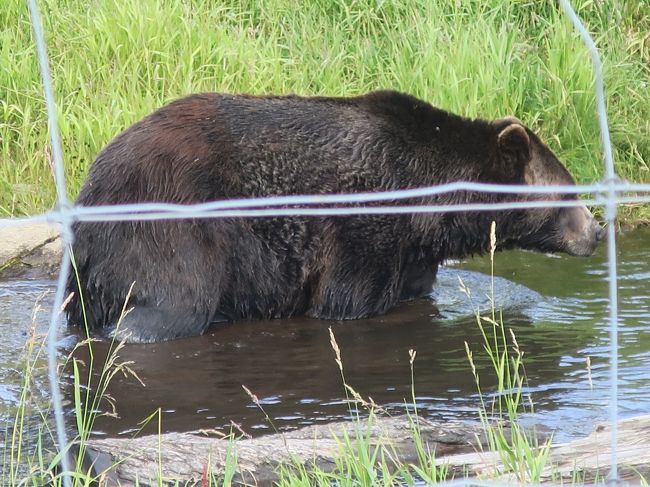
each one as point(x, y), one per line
point(187, 458)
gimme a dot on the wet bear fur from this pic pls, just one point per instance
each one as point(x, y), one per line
point(188, 274)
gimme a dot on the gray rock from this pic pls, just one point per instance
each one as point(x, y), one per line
point(32, 249)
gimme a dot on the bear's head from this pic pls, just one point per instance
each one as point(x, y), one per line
point(573, 230)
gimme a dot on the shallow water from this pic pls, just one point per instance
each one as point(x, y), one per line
point(556, 305)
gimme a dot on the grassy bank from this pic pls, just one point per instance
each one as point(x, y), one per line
point(113, 61)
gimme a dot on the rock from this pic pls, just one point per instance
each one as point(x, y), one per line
point(29, 250)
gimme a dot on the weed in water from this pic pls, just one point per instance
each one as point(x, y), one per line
point(520, 451)
point(427, 469)
point(90, 398)
point(39, 467)
point(16, 458)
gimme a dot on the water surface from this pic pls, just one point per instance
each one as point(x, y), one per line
point(556, 305)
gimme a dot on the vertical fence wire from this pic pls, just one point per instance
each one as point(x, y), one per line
point(64, 214)
point(610, 215)
point(66, 234)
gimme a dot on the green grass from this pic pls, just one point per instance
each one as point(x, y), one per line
point(522, 454)
point(113, 61)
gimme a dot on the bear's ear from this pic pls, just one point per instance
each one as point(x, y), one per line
point(505, 121)
point(513, 140)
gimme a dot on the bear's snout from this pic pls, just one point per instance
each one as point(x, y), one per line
point(582, 232)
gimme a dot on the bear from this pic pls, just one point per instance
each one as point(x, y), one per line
point(182, 276)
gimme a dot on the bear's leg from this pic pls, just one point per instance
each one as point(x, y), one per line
point(145, 324)
point(418, 279)
point(354, 292)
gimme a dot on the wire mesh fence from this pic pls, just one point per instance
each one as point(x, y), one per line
point(608, 193)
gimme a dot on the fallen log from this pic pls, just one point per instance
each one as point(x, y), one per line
point(584, 460)
point(186, 457)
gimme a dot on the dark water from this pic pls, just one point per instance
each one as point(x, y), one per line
point(556, 305)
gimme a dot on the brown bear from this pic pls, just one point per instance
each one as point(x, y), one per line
point(191, 273)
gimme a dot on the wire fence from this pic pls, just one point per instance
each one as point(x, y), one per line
point(608, 193)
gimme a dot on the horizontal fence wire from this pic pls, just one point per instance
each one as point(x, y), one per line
point(175, 212)
point(299, 206)
point(190, 211)
point(608, 193)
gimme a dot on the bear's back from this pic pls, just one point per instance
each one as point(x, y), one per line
point(210, 146)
